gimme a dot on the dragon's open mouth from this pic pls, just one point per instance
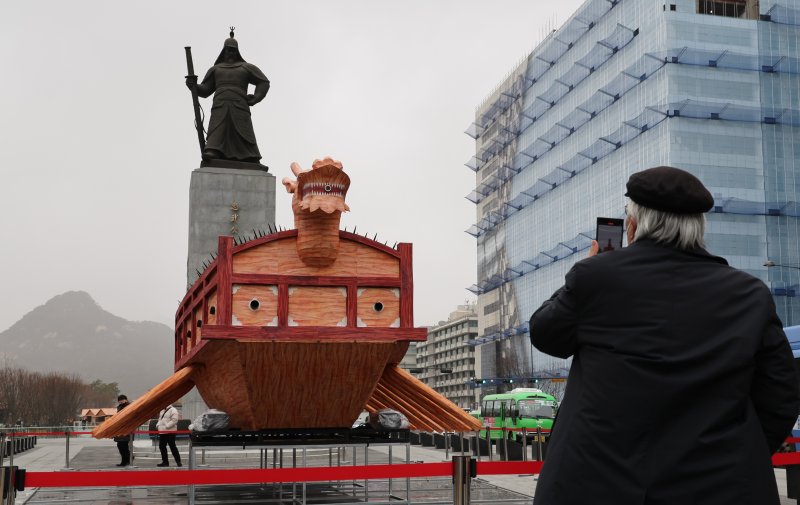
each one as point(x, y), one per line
point(323, 189)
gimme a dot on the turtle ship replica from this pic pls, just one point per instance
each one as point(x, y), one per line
point(300, 329)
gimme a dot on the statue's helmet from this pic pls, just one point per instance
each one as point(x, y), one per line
point(229, 42)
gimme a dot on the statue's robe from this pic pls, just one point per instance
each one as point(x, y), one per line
point(230, 129)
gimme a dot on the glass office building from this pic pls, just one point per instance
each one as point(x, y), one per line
point(624, 85)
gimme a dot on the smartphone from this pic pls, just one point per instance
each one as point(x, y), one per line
point(609, 233)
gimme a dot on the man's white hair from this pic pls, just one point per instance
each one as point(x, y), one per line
point(684, 231)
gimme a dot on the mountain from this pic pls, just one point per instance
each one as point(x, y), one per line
point(71, 333)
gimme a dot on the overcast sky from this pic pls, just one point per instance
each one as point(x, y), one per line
point(97, 142)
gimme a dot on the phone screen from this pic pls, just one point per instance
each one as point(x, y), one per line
point(609, 234)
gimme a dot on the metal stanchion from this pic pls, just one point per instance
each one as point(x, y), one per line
point(489, 442)
point(305, 465)
point(524, 444)
point(11, 452)
point(463, 471)
point(7, 474)
point(408, 479)
point(191, 467)
point(505, 444)
point(366, 482)
point(66, 449)
point(294, 465)
point(3, 470)
point(390, 480)
point(539, 455)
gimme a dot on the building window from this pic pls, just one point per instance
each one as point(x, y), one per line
point(672, 7)
point(729, 8)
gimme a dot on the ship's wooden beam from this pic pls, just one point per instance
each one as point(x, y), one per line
point(321, 280)
point(313, 333)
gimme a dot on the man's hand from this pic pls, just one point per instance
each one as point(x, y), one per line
point(191, 81)
point(595, 249)
point(251, 100)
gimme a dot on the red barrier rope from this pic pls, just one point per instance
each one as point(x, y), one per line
point(251, 476)
point(64, 433)
point(786, 459)
point(528, 430)
point(275, 475)
point(509, 467)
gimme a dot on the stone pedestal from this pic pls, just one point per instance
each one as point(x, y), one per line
point(225, 201)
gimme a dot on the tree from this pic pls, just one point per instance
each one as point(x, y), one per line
point(101, 394)
point(35, 398)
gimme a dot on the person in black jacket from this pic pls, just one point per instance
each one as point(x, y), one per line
point(682, 382)
point(124, 440)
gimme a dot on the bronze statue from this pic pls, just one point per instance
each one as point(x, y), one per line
point(230, 129)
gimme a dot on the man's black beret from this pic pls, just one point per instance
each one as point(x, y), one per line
point(669, 189)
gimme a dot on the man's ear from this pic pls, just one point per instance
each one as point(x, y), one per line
point(631, 229)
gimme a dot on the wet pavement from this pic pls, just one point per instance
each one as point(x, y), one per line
point(92, 455)
point(103, 455)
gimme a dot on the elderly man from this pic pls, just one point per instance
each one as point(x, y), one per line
point(682, 382)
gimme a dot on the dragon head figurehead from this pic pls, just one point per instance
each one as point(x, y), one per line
point(318, 203)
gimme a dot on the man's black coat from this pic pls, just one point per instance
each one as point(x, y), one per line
point(681, 387)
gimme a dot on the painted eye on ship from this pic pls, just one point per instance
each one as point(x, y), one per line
point(377, 307)
point(254, 304)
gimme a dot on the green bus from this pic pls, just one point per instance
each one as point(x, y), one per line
point(527, 408)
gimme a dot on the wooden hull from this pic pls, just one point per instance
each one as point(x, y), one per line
point(271, 385)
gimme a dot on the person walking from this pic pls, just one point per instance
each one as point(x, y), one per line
point(123, 441)
point(682, 382)
point(168, 421)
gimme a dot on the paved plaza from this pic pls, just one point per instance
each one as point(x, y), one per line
point(87, 454)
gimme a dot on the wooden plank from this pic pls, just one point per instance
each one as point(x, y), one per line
point(369, 242)
point(224, 383)
point(255, 305)
point(293, 233)
point(321, 280)
point(279, 257)
point(400, 349)
point(406, 286)
point(283, 305)
point(224, 280)
point(424, 393)
point(190, 354)
point(148, 405)
point(352, 305)
point(206, 280)
point(317, 306)
point(378, 307)
point(311, 385)
point(211, 314)
point(313, 333)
